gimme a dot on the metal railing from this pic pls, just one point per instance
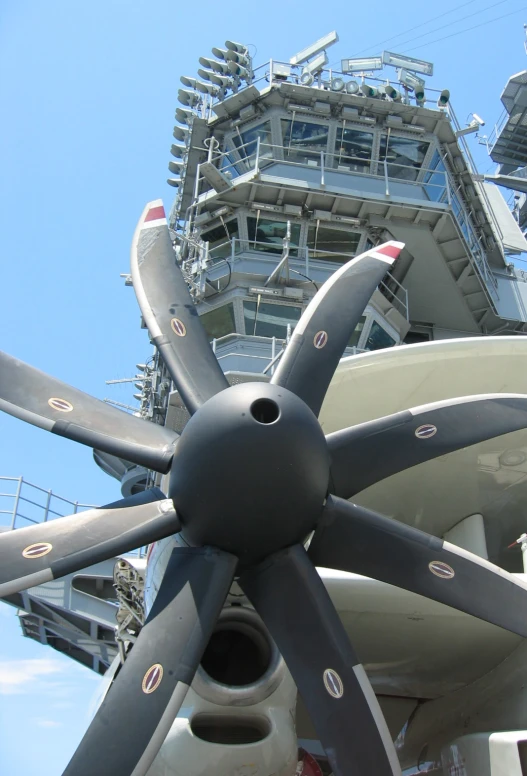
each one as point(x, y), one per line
point(236, 250)
point(28, 504)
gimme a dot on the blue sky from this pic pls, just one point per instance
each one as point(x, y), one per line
point(88, 96)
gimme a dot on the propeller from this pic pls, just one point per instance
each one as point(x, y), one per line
point(249, 479)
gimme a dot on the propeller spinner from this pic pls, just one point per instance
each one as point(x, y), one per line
point(251, 477)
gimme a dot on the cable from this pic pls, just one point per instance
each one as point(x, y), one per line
point(462, 19)
point(304, 276)
point(468, 29)
point(433, 19)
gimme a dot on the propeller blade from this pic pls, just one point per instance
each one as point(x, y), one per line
point(351, 538)
point(369, 452)
point(288, 594)
point(170, 313)
point(324, 330)
point(33, 396)
point(140, 707)
point(39, 553)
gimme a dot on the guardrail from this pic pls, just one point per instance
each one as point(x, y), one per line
point(38, 504)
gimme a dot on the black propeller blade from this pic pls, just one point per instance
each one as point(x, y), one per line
point(289, 596)
point(369, 452)
point(45, 551)
point(33, 396)
point(323, 332)
point(140, 707)
point(169, 312)
point(351, 538)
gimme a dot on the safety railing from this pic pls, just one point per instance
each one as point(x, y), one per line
point(242, 343)
point(24, 504)
point(254, 155)
point(234, 251)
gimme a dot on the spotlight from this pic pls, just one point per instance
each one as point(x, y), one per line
point(141, 367)
point(368, 91)
point(239, 47)
point(205, 88)
point(390, 92)
point(352, 87)
point(220, 53)
point(188, 98)
point(240, 59)
point(174, 182)
point(220, 80)
point(178, 151)
point(176, 167)
point(181, 134)
point(241, 72)
point(188, 81)
point(337, 84)
point(444, 97)
point(211, 64)
point(306, 79)
point(420, 97)
point(184, 116)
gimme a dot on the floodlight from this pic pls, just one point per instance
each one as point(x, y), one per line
point(232, 46)
point(184, 115)
point(368, 91)
point(390, 92)
point(337, 84)
point(218, 67)
point(399, 60)
point(317, 64)
point(141, 367)
point(420, 98)
point(178, 151)
point(220, 53)
point(240, 59)
point(188, 98)
point(306, 79)
point(220, 80)
point(314, 49)
point(181, 134)
point(443, 99)
point(241, 72)
point(188, 81)
point(175, 182)
point(176, 167)
point(352, 87)
point(138, 396)
point(361, 65)
point(206, 88)
point(410, 80)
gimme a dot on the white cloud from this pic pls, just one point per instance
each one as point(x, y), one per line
point(47, 723)
point(17, 676)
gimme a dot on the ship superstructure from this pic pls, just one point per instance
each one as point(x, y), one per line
point(283, 173)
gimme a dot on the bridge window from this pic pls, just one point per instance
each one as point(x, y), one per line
point(269, 320)
point(304, 141)
point(246, 142)
point(404, 156)
point(219, 322)
point(379, 338)
point(219, 238)
point(268, 235)
point(353, 149)
point(435, 179)
point(330, 244)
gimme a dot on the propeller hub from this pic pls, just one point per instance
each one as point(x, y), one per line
point(251, 471)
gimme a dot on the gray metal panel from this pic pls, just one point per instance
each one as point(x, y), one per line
point(512, 237)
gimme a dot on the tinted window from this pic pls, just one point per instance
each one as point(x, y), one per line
point(378, 338)
point(267, 235)
point(219, 238)
point(269, 320)
point(404, 156)
point(217, 323)
point(332, 244)
point(353, 149)
point(247, 141)
point(303, 141)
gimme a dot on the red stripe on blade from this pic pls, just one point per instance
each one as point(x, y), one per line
point(389, 250)
point(155, 213)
